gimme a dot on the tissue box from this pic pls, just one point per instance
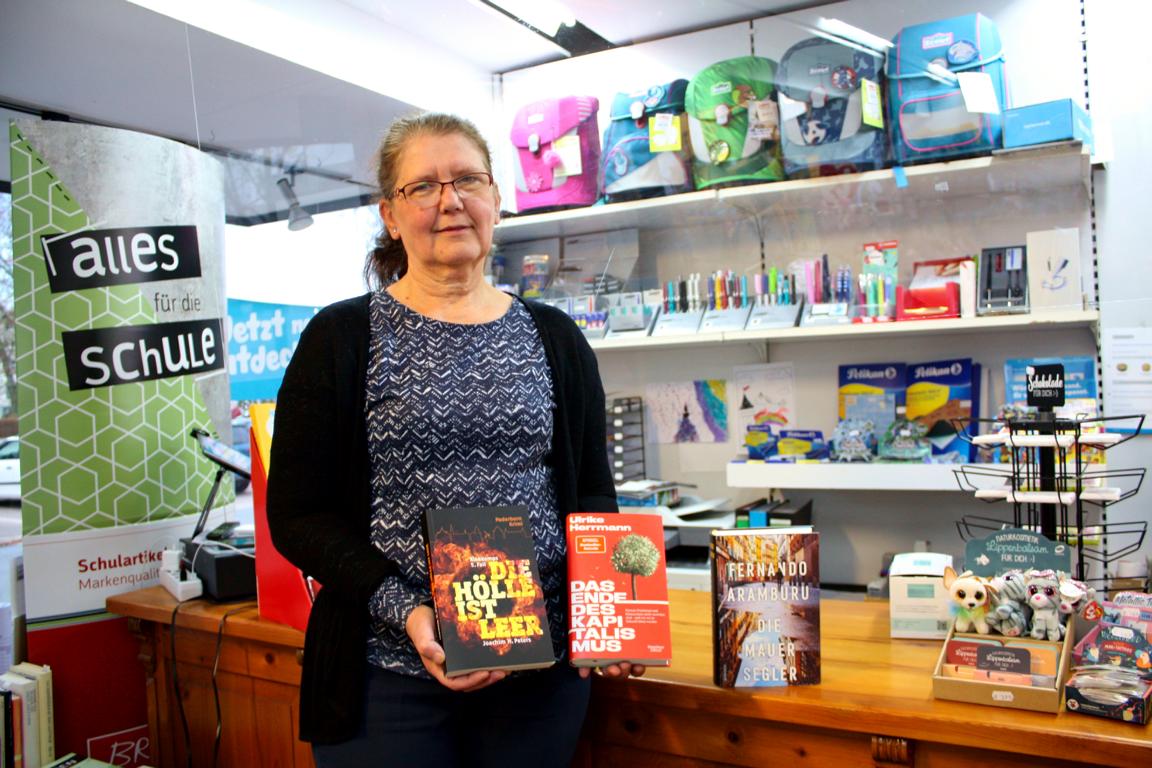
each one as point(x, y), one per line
point(918, 604)
point(1042, 123)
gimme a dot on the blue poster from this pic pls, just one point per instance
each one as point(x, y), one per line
point(261, 340)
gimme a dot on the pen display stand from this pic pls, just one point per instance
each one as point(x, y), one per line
point(1003, 274)
point(873, 313)
point(774, 316)
point(827, 313)
point(725, 319)
point(631, 320)
point(677, 323)
point(1053, 487)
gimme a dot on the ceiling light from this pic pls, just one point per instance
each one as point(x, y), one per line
point(298, 218)
point(855, 34)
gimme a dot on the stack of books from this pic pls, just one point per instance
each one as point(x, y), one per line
point(27, 732)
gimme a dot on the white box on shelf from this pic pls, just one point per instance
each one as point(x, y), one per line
point(1054, 270)
point(919, 605)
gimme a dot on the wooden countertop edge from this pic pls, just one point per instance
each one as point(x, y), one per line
point(1056, 736)
point(156, 605)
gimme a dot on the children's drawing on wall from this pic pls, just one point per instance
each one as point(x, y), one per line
point(764, 394)
point(688, 412)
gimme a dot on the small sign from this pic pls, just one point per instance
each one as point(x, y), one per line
point(1015, 548)
point(1045, 385)
point(870, 103)
point(664, 133)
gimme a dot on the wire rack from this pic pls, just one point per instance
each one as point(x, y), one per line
point(1050, 477)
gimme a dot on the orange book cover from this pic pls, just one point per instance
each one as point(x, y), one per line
point(486, 591)
point(618, 590)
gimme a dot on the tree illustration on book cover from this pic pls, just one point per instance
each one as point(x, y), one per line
point(486, 591)
point(766, 608)
point(635, 555)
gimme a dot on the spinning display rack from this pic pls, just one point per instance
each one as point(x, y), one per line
point(1054, 477)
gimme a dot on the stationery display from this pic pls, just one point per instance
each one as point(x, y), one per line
point(1003, 281)
point(1012, 630)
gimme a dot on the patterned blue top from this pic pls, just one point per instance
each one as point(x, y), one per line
point(459, 415)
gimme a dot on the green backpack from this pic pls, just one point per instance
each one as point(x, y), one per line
point(734, 123)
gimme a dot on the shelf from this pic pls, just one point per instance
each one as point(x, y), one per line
point(872, 476)
point(1017, 171)
point(1039, 321)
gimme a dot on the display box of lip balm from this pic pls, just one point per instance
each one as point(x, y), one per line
point(1014, 672)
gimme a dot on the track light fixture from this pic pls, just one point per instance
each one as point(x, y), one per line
point(298, 218)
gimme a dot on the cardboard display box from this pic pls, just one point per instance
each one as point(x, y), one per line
point(918, 604)
point(1058, 120)
point(998, 694)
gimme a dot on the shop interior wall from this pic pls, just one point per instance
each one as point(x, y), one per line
point(1123, 189)
point(1045, 62)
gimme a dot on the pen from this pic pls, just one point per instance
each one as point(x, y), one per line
point(683, 296)
point(827, 285)
point(711, 287)
point(772, 286)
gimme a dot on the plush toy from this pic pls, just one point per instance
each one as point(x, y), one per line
point(1044, 598)
point(971, 600)
point(1011, 615)
point(1074, 595)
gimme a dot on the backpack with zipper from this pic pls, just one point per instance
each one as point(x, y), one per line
point(823, 132)
point(633, 165)
point(734, 123)
point(557, 153)
point(926, 109)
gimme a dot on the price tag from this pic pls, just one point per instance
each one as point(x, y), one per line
point(870, 103)
point(664, 133)
point(568, 147)
point(979, 95)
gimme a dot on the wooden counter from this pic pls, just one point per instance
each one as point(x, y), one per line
point(873, 706)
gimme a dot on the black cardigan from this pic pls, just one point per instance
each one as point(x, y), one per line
point(319, 507)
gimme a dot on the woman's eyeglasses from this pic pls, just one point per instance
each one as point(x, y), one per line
point(426, 194)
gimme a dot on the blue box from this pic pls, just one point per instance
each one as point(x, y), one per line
point(1042, 123)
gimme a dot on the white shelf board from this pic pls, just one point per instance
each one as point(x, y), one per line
point(1018, 171)
point(835, 476)
point(1038, 321)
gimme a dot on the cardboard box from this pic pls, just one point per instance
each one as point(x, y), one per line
point(1059, 120)
point(997, 694)
point(918, 604)
point(1054, 282)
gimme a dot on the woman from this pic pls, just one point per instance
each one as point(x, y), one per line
point(434, 390)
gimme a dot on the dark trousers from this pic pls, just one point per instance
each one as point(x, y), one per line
point(531, 719)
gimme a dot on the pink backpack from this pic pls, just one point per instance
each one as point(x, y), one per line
point(557, 145)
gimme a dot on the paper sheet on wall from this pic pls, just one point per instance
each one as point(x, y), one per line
point(688, 412)
point(763, 394)
point(1126, 355)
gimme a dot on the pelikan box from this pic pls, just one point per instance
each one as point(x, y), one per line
point(1043, 123)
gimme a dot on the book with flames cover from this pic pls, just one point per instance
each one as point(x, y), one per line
point(765, 607)
point(617, 590)
point(486, 591)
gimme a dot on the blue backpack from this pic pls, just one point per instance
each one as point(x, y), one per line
point(629, 169)
point(822, 130)
point(926, 111)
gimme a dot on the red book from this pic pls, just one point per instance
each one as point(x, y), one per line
point(486, 592)
point(617, 590)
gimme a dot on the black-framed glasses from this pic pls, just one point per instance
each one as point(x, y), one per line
point(426, 193)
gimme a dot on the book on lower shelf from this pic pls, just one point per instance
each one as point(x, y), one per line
point(26, 723)
point(618, 590)
point(765, 607)
point(42, 674)
point(486, 590)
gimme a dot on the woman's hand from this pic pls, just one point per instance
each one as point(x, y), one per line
point(421, 628)
point(623, 669)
